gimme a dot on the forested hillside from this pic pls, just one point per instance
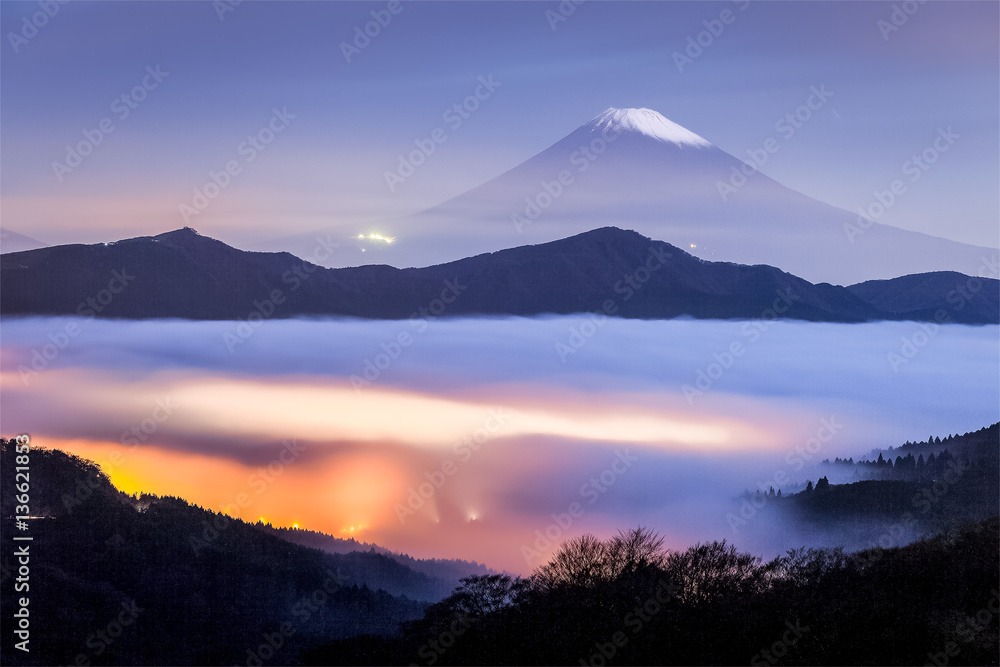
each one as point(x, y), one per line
point(119, 579)
point(629, 601)
point(195, 587)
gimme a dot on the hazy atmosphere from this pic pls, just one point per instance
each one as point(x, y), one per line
point(403, 332)
point(524, 424)
point(354, 115)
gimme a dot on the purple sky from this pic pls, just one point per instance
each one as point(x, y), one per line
point(351, 120)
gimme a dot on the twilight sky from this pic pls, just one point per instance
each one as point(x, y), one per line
point(353, 119)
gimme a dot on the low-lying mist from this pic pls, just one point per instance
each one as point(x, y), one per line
point(491, 439)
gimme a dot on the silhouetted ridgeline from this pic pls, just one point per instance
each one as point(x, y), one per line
point(182, 274)
point(210, 588)
point(628, 601)
point(199, 588)
point(889, 502)
point(959, 480)
point(969, 445)
point(441, 576)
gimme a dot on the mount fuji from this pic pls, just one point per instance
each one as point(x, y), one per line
point(11, 241)
point(635, 169)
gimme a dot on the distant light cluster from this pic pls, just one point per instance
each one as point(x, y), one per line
point(376, 237)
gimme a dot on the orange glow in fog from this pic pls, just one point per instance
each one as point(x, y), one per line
point(329, 494)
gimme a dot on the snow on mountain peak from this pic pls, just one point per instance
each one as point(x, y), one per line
point(649, 123)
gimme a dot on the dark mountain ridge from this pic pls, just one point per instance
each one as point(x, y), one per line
point(210, 589)
point(938, 296)
point(185, 275)
point(441, 575)
point(907, 492)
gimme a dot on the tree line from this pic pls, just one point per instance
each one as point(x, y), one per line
point(628, 600)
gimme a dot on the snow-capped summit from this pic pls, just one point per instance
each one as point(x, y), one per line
point(646, 122)
point(668, 183)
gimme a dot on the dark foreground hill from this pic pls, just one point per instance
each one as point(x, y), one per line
point(907, 492)
point(117, 579)
point(442, 575)
point(186, 275)
point(629, 601)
